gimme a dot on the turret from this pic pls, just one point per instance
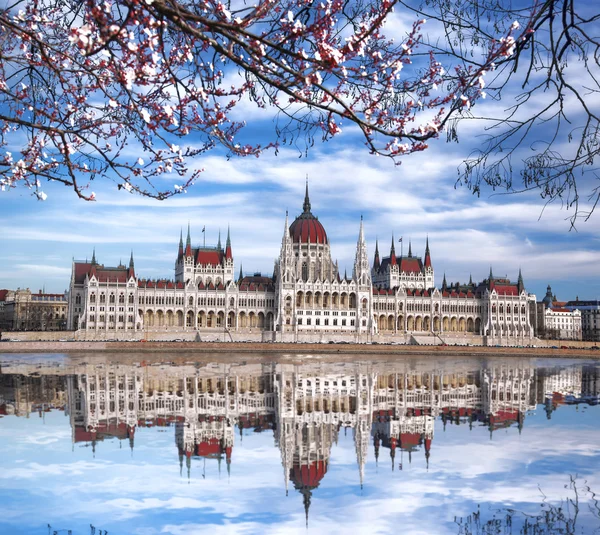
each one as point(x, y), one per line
point(427, 254)
point(520, 284)
point(393, 261)
point(228, 253)
point(306, 205)
point(376, 261)
point(188, 243)
point(131, 272)
point(180, 251)
point(409, 249)
point(361, 273)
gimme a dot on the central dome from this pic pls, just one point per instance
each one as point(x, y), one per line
point(306, 228)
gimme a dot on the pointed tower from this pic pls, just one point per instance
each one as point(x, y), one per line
point(241, 276)
point(427, 254)
point(409, 249)
point(376, 261)
point(228, 253)
point(131, 271)
point(188, 243)
point(491, 277)
point(444, 284)
point(306, 205)
point(219, 242)
point(93, 262)
point(393, 261)
point(361, 273)
point(285, 270)
point(520, 284)
point(180, 251)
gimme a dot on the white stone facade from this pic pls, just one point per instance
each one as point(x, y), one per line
point(306, 299)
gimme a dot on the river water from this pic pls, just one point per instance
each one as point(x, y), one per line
point(298, 444)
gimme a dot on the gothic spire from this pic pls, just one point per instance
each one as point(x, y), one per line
point(241, 274)
point(427, 254)
point(376, 261)
point(188, 243)
point(131, 260)
point(393, 252)
point(444, 283)
point(409, 249)
point(180, 254)
point(228, 253)
point(94, 257)
point(307, 495)
point(219, 242)
point(520, 283)
point(306, 205)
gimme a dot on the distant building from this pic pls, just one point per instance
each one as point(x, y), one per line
point(590, 318)
point(22, 310)
point(557, 321)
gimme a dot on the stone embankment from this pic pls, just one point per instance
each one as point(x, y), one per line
point(236, 348)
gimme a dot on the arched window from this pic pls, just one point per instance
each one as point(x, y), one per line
point(232, 302)
point(78, 300)
point(304, 271)
point(102, 298)
point(191, 301)
point(121, 299)
point(131, 299)
point(93, 298)
point(111, 299)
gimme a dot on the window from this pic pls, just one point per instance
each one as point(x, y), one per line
point(299, 321)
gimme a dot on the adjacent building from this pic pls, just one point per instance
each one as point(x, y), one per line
point(22, 310)
point(590, 317)
point(556, 320)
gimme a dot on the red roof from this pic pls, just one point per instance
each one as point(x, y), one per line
point(81, 270)
point(307, 229)
point(506, 290)
point(308, 475)
point(410, 439)
point(3, 294)
point(210, 447)
point(410, 265)
point(210, 257)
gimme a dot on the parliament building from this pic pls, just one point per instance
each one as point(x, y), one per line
point(392, 299)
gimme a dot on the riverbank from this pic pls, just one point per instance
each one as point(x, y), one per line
point(292, 349)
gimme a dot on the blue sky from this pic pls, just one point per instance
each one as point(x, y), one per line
point(414, 200)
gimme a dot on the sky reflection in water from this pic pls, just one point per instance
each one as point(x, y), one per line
point(357, 446)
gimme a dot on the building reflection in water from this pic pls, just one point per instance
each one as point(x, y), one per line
point(394, 405)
